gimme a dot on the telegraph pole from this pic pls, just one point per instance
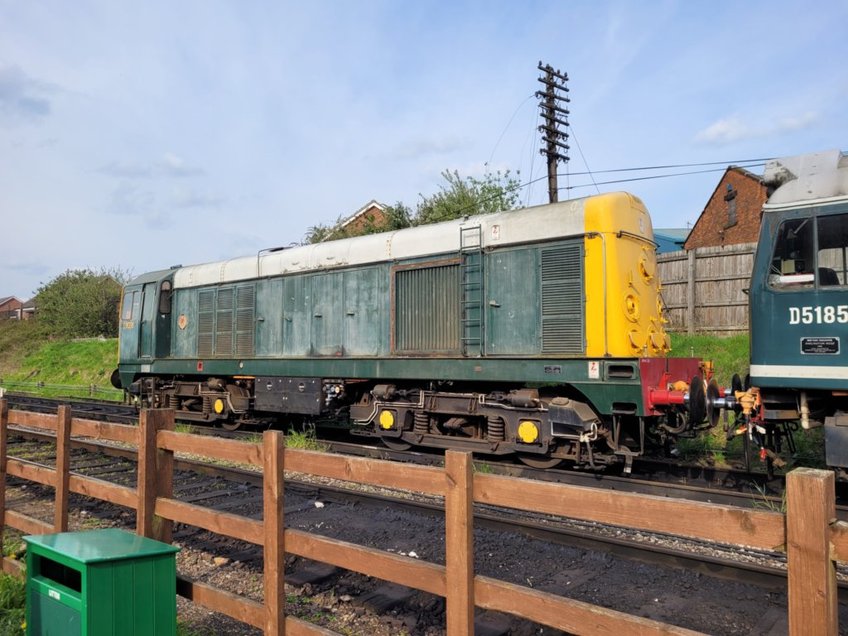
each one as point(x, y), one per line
point(555, 114)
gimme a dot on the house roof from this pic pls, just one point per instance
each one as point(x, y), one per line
point(5, 299)
point(373, 203)
point(674, 233)
point(670, 239)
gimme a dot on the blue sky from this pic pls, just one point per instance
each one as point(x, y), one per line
point(142, 135)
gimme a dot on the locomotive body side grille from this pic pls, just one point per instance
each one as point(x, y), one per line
point(427, 309)
point(563, 324)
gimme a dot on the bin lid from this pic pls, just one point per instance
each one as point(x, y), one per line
point(93, 546)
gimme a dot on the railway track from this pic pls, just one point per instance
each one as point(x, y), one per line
point(661, 477)
point(669, 479)
point(104, 410)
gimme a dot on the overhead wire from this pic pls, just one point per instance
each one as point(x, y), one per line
point(508, 124)
point(749, 163)
point(582, 156)
point(532, 159)
point(646, 178)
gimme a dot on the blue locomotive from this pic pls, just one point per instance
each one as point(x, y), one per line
point(799, 310)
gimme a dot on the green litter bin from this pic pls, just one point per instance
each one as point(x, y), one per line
point(100, 582)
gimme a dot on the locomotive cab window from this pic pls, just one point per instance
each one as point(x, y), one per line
point(132, 302)
point(165, 297)
point(793, 259)
point(833, 250)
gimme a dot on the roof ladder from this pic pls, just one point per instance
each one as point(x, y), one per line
point(471, 285)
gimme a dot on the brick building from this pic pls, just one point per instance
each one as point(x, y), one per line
point(372, 214)
point(732, 214)
point(10, 308)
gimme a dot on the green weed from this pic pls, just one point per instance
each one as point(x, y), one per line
point(304, 440)
point(12, 605)
point(767, 502)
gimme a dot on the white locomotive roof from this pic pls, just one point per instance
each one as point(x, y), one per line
point(807, 178)
point(502, 228)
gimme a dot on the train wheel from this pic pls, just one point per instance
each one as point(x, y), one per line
point(231, 425)
point(396, 443)
point(539, 461)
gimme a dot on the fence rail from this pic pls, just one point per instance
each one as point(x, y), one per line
point(806, 531)
point(704, 289)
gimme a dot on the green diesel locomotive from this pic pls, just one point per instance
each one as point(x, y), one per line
point(537, 332)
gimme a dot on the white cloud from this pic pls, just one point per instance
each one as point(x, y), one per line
point(726, 131)
point(733, 128)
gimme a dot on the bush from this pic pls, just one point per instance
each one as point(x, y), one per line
point(80, 303)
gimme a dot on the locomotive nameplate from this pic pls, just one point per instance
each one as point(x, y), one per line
point(820, 346)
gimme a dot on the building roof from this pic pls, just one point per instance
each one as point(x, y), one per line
point(5, 299)
point(670, 239)
point(675, 233)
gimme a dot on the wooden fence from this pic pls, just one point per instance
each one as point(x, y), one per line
point(703, 289)
point(808, 532)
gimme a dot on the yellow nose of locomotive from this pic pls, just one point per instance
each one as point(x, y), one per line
point(623, 303)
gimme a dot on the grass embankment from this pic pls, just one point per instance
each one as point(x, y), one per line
point(728, 355)
point(29, 359)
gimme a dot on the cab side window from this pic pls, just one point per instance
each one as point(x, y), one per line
point(833, 250)
point(130, 307)
point(793, 259)
point(165, 297)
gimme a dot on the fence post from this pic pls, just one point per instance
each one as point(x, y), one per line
point(690, 291)
point(273, 487)
point(63, 467)
point(4, 433)
point(810, 509)
point(155, 474)
point(459, 543)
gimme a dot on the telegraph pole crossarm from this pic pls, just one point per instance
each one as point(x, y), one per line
point(551, 104)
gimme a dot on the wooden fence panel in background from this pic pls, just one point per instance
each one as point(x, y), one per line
point(703, 289)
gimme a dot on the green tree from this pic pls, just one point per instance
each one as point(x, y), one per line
point(459, 197)
point(81, 303)
point(396, 217)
